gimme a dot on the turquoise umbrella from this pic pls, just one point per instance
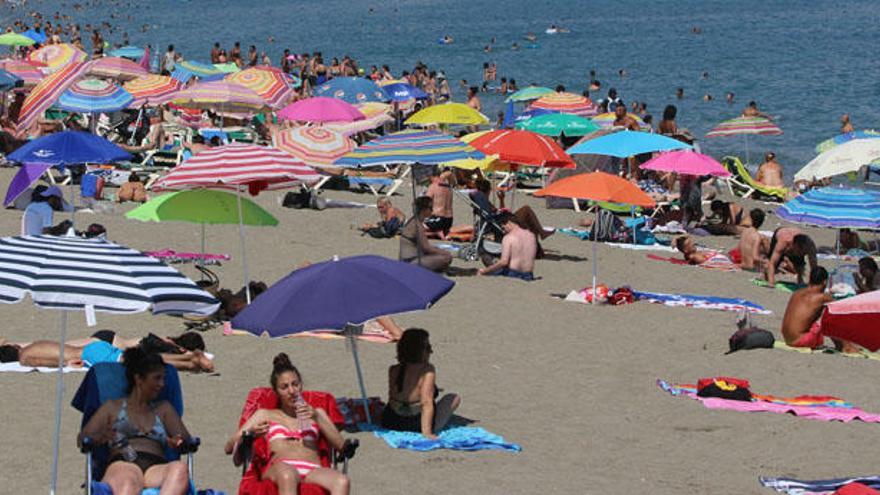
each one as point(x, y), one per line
point(556, 124)
point(624, 144)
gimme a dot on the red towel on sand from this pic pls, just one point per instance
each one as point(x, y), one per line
point(856, 489)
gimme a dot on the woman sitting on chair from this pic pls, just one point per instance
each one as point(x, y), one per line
point(138, 429)
point(292, 431)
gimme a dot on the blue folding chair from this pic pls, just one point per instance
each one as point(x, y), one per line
point(106, 381)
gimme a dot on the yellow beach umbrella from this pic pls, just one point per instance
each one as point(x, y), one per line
point(447, 113)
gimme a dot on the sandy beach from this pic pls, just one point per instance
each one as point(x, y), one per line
point(573, 384)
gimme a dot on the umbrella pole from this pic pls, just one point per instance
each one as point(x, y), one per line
point(595, 270)
point(632, 214)
point(412, 175)
point(247, 289)
point(59, 392)
point(352, 331)
point(202, 259)
point(746, 136)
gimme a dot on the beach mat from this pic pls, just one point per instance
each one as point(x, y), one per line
point(783, 286)
point(808, 407)
point(702, 302)
point(793, 486)
point(16, 367)
point(827, 350)
point(709, 264)
point(467, 438)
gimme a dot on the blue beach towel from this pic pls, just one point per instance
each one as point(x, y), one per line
point(457, 438)
point(701, 302)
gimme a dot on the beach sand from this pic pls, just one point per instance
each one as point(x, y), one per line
point(573, 384)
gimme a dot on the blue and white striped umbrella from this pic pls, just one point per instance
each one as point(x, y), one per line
point(425, 147)
point(836, 207)
point(94, 96)
point(78, 274)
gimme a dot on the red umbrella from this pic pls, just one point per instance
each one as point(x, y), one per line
point(523, 148)
point(855, 319)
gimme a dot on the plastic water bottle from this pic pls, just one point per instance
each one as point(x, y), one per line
point(120, 442)
point(303, 423)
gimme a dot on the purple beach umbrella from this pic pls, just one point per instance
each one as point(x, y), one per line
point(26, 175)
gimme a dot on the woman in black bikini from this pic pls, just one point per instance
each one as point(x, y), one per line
point(147, 427)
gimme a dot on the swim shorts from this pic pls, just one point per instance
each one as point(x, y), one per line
point(439, 224)
point(100, 352)
point(813, 338)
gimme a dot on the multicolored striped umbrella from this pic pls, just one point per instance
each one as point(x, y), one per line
point(352, 90)
point(845, 138)
point(25, 71)
point(222, 96)
point(117, 68)
point(606, 120)
point(744, 126)
point(54, 57)
point(410, 146)
point(376, 116)
point(238, 165)
point(270, 85)
point(530, 93)
point(94, 96)
point(836, 207)
point(315, 146)
point(566, 103)
point(48, 91)
point(152, 89)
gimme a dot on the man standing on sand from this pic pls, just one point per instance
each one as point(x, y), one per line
point(770, 172)
point(440, 192)
point(801, 324)
point(518, 250)
point(753, 247)
point(791, 246)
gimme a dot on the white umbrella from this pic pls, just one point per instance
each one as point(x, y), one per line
point(843, 159)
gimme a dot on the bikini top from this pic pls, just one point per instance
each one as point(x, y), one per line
point(130, 430)
point(279, 431)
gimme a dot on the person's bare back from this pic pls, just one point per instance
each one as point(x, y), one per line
point(522, 247)
point(804, 308)
point(770, 174)
point(441, 193)
point(752, 249)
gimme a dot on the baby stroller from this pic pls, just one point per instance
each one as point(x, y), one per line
point(487, 234)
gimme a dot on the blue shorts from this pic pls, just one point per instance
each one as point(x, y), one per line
point(100, 352)
point(507, 272)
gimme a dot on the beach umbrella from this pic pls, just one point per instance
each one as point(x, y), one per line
point(54, 57)
point(836, 207)
point(152, 90)
point(223, 96)
point(320, 109)
point(409, 147)
point(129, 52)
point(558, 124)
point(845, 138)
point(843, 159)
point(686, 162)
point(91, 275)
point(447, 113)
point(854, 319)
point(566, 103)
point(47, 91)
point(27, 174)
point(403, 92)
point(745, 126)
point(227, 68)
point(375, 115)
point(606, 120)
point(529, 93)
point(117, 68)
point(352, 90)
point(341, 294)
point(28, 73)
point(69, 148)
point(271, 85)
point(38, 37)
point(94, 96)
point(314, 145)
point(205, 72)
point(523, 148)
point(236, 167)
point(624, 144)
point(9, 81)
point(598, 186)
point(15, 39)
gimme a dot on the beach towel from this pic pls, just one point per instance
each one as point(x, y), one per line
point(373, 332)
point(809, 407)
point(717, 261)
point(863, 354)
point(170, 256)
point(16, 367)
point(792, 486)
point(783, 286)
point(467, 438)
point(338, 203)
point(701, 302)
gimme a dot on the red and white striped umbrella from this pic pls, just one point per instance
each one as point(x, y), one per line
point(566, 103)
point(316, 146)
point(236, 166)
point(745, 125)
point(117, 68)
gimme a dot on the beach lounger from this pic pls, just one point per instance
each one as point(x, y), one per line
point(106, 381)
point(256, 450)
point(741, 183)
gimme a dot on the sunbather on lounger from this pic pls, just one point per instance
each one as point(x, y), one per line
point(184, 352)
point(801, 324)
point(770, 172)
point(155, 139)
point(790, 244)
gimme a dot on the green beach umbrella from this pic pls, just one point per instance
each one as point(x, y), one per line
point(554, 124)
point(15, 39)
point(228, 67)
point(205, 206)
point(529, 93)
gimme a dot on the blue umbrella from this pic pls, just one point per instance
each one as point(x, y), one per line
point(401, 92)
point(339, 294)
point(352, 90)
point(69, 148)
point(129, 52)
point(38, 37)
point(624, 144)
point(9, 80)
point(836, 207)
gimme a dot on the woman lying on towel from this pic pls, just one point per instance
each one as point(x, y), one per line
point(184, 352)
point(293, 431)
point(139, 461)
point(412, 389)
point(712, 259)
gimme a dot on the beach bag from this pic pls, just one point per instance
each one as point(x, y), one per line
point(354, 412)
point(297, 200)
point(750, 338)
point(606, 227)
point(723, 387)
point(92, 186)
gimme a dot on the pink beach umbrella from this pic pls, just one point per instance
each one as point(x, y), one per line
point(686, 162)
point(855, 319)
point(117, 68)
point(320, 109)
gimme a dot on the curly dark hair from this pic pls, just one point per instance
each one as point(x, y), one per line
point(139, 362)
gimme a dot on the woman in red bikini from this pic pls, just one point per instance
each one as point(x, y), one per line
point(293, 431)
